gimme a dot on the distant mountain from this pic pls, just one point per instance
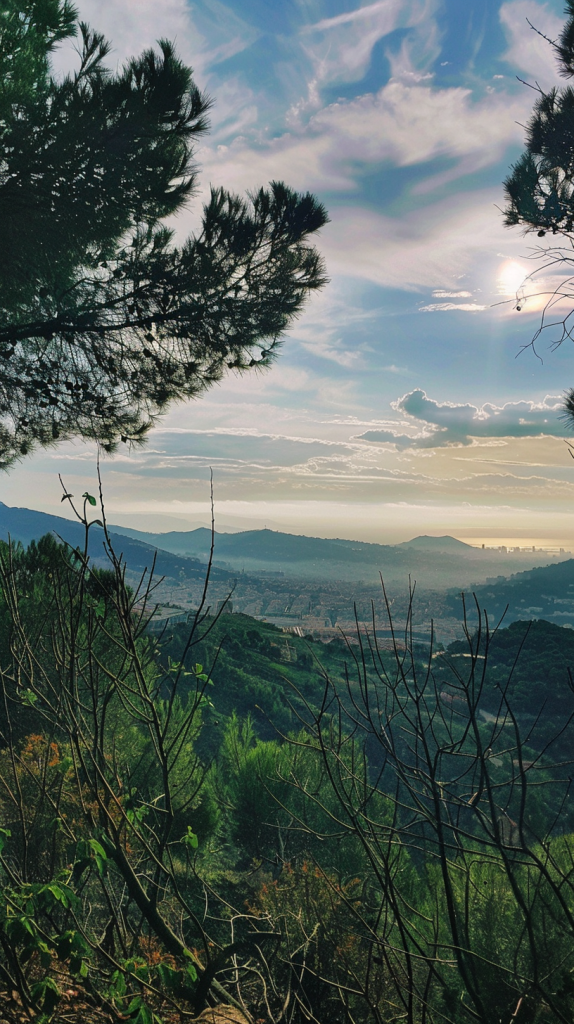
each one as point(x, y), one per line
point(23, 524)
point(543, 593)
point(273, 546)
point(439, 544)
point(436, 562)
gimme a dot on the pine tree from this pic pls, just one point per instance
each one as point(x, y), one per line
point(104, 320)
point(540, 188)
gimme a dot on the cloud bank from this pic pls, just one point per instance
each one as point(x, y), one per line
point(444, 424)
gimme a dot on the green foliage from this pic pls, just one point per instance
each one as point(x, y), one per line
point(249, 674)
point(392, 855)
point(530, 663)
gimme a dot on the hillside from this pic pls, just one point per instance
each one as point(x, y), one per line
point(544, 593)
point(23, 524)
point(273, 546)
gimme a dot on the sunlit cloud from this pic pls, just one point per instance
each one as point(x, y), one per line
point(462, 307)
point(446, 423)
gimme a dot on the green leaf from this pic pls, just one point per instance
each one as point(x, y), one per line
point(190, 839)
point(139, 1012)
point(46, 994)
point(45, 954)
point(118, 984)
point(58, 893)
point(169, 977)
point(28, 698)
point(5, 834)
point(89, 497)
point(19, 929)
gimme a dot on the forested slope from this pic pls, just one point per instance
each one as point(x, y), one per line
point(228, 814)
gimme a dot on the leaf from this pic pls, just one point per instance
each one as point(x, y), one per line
point(29, 698)
point(5, 834)
point(139, 1012)
point(89, 497)
point(190, 839)
point(47, 994)
point(45, 955)
point(118, 984)
point(169, 977)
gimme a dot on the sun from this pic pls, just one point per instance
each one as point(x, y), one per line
point(511, 276)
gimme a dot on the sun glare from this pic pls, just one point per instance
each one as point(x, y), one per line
point(511, 275)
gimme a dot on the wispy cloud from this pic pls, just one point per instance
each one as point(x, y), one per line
point(427, 248)
point(404, 123)
point(528, 51)
point(340, 47)
point(462, 307)
point(451, 295)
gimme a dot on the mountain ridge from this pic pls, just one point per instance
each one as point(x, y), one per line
point(272, 544)
point(25, 525)
point(436, 562)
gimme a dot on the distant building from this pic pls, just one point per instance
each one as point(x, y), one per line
point(166, 619)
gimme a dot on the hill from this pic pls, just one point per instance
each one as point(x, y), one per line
point(545, 593)
point(23, 524)
point(426, 543)
point(436, 562)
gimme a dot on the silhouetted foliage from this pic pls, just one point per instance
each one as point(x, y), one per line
point(105, 320)
point(540, 188)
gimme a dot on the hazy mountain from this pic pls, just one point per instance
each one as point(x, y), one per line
point(440, 544)
point(23, 524)
point(435, 562)
point(273, 546)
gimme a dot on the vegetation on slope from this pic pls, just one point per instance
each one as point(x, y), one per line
point(400, 849)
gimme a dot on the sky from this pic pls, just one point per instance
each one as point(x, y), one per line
point(407, 398)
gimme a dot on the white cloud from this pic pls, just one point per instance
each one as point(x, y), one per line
point(462, 307)
point(528, 51)
point(134, 25)
point(451, 295)
point(427, 248)
point(340, 48)
point(408, 123)
point(404, 124)
point(446, 423)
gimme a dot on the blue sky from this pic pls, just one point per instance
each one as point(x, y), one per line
point(401, 403)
